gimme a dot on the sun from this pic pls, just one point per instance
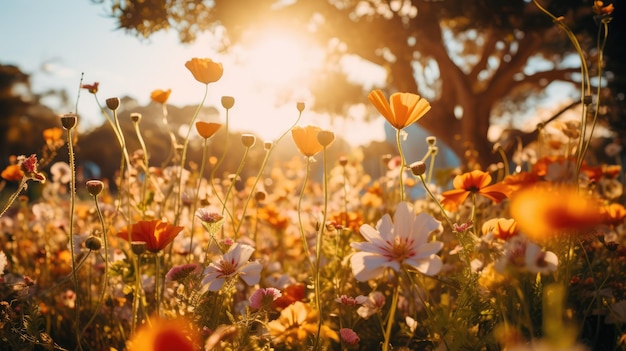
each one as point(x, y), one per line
point(277, 57)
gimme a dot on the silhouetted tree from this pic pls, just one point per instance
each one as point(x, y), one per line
point(471, 59)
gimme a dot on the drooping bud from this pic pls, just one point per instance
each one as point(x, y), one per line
point(228, 102)
point(418, 168)
point(325, 137)
point(95, 187)
point(93, 243)
point(248, 140)
point(135, 117)
point(69, 120)
point(113, 103)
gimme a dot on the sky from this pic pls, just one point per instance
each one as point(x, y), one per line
point(56, 42)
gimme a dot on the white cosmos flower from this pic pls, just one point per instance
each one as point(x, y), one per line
point(234, 262)
point(394, 244)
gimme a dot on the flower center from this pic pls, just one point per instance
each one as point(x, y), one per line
point(228, 267)
point(400, 249)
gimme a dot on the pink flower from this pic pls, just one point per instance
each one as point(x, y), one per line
point(375, 301)
point(348, 336)
point(264, 297)
point(395, 244)
point(233, 263)
point(178, 273)
point(351, 301)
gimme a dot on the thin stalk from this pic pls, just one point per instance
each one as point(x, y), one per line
point(23, 185)
point(402, 162)
point(391, 317)
point(145, 169)
point(305, 245)
point(205, 147)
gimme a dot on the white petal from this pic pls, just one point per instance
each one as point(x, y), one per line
point(366, 266)
point(424, 251)
point(377, 248)
point(430, 266)
point(403, 220)
point(251, 273)
point(424, 225)
point(372, 235)
point(215, 284)
point(385, 228)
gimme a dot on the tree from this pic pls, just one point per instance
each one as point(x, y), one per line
point(472, 60)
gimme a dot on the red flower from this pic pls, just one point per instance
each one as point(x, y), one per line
point(156, 234)
point(92, 88)
point(473, 182)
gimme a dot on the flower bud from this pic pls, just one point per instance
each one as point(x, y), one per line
point(113, 103)
point(135, 117)
point(300, 106)
point(418, 168)
point(93, 243)
point(260, 195)
point(69, 120)
point(386, 158)
point(248, 140)
point(268, 145)
point(325, 137)
point(228, 102)
point(343, 161)
point(587, 100)
point(138, 247)
point(431, 140)
point(95, 187)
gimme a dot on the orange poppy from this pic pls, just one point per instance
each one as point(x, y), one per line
point(614, 214)
point(163, 334)
point(204, 70)
point(207, 129)
point(156, 234)
point(476, 182)
point(160, 96)
point(306, 140)
point(544, 211)
point(501, 228)
point(402, 110)
point(13, 173)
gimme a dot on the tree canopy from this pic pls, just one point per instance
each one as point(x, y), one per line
point(474, 61)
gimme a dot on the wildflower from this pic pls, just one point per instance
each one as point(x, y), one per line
point(69, 298)
point(290, 294)
point(92, 88)
point(348, 336)
point(402, 110)
point(208, 216)
point(543, 211)
point(233, 263)
point(61, 172)
point(248, 140)
point(601, 10)
point(306, 140)
point(296, 324)
point(160, 96)
point(163, 334)
point(374, 303)
point(178, 273)
point(527, 256)
point(351, 301)
point(12, 173)
point(264, 297)
point(325, 137)
point(501, 228)
point(156, 234)
point(614, 214)
point(392, 245)
point(204, 70)
point(300, 106)
point(207, 129)
point(476, 182)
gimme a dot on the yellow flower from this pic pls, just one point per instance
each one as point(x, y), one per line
point(545, 211)
point(306, 140)
point(160, 96)
point(501, 228)
point(204, 70)
point(476, 182)
point(295, 324)
point(164, 335)
point(207, 129)
point(13, 173)
point(404, 110)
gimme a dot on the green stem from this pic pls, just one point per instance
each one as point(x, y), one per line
point(391, 317)
point(15, 195)
point(318, 249)
point(402, 162)
point(305, 245)
point(144, 185)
